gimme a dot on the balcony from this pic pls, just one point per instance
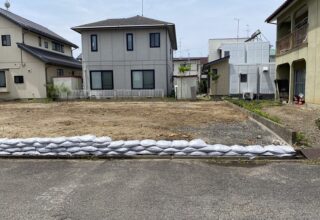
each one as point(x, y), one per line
point(293, 40)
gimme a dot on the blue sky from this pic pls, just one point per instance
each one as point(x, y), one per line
point(196, 20)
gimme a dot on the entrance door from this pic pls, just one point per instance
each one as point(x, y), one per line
point(300, 82)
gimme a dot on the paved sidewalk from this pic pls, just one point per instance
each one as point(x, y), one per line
point(156, 189)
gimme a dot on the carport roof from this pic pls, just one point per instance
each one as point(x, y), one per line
point(51, 57)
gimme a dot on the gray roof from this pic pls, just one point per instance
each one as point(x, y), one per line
point(33, 27)
point(51, 57)
point(130, 23)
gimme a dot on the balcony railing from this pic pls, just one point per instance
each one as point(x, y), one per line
point(294, 40)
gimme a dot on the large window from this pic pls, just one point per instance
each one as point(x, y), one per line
point(3, 83)
point(6, 40)
point(94, 43)
point(57, 47)
point(129, 42)
point(101, 80)
point(142, 79)
point(154, 40)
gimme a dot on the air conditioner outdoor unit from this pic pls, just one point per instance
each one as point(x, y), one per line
point(248, 95)
point(265, 69)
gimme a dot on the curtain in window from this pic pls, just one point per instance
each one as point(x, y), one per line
point(96, 80)
point(137, 80)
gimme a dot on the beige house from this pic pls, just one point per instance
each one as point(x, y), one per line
point(298, 46)
point(128, 57)
point(30, 57)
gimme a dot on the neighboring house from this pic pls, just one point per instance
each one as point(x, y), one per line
point(243, 68)
point(30, 57)
point(195, 63)
point(298, 46)
point(131, 54)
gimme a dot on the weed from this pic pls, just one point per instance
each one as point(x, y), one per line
point(318, 123)
point(302, 140)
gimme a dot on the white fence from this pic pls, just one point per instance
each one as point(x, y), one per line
point(105, 94)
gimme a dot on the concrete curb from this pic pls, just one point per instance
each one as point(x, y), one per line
point(286, 134)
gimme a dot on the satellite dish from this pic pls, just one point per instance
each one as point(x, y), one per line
point(7, 4)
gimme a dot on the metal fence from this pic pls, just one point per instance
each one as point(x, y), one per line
point(107, 94)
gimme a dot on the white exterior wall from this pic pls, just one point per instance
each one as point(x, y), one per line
point(215, 45)
point(184, 86)
point(113, 55)
point(195, 67)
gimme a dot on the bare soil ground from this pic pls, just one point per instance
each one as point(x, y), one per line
point(300, 119)
point(212, 121)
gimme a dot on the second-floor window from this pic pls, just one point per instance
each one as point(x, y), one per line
point(243, 78)
point(154, 40)
point(226, 53)
point(18, 79)
point(94, 43)
point(46, 44)
point(57, 47)
point(40, 42)
point(3, 82)
point(6, 40)
point(60, 72)
point(129, 42)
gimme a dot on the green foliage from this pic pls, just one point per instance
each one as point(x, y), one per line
point(214, 76)
point(54, 92)
point(257, 107)
point(318, 123)
point(302, 140)
point(184, 68)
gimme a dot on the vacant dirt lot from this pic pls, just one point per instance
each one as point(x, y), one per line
point(129, 120)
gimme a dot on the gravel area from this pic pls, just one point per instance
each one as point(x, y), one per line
point(300, 119)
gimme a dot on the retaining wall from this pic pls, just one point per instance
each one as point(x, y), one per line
point(90, 145)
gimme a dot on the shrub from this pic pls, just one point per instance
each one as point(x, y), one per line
point(318, 123)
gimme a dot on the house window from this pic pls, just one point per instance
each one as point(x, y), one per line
point(60, 72)
point(154, 40)
point(3, 82)
point(226, 53)
point(18, 79)
point(142, 79)
point(94, 43)
point(46, 44)
point(57, 47)
point(6, 40)
point(101, 80)
point(243, 78)
point(40, 42)
point(129, 42)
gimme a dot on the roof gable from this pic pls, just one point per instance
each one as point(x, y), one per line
point(286, 4)
point(34, 27)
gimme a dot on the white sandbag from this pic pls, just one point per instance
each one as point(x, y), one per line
point(61, 149)
point(171, 150)
point(44, 140)
point(38, 145)
point(51, 154)
point(164, 144)
point(81, 153)
point(130, 144)
point(11, 141)
point(288, 149)
point(116, 144)
point(239, 149)
point(130, 153)
point(180, 144)
point(66, 144)
point(209, 149)
point(137, 149)
point(268, 154)
point(198, 143)
point(198, 154)
point(44, 150)
point(122, 150)
point(58, 140)
point(231, 154)
point(101, 145)
point(3, 153)
point(85, 144)
point(98, 153)
point(155, 149)
point(215, 154)
point(148, 143)
point(5, 146)
point(180, 154)
point(163, 154)
point(13, 150)
point(29, 140)
point(285, 155)
point(256, 149)
point(75, 139)
point(105, 150)
point(32, 153)
point(64, 154)
point(87, 138)
point(144, 153)
point(112, 154)
point(1, 149)
point(18, 154)
point(102, 140)
point(221, 148)
point(188, 150)
point(275, 149)
point(73, 150)
point(52, 146)
point(28, 149)
point(21, 145)
point(250, 155)
point(89, 149)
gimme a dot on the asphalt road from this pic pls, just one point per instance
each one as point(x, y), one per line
point(156, 189)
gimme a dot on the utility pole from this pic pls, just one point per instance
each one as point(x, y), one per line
point(238, 20)
point(180, 47)
point(248, 31)
point(142, 7)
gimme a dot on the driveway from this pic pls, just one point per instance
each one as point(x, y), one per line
point(156, 189)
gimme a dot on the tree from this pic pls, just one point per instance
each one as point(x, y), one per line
point(214, 77)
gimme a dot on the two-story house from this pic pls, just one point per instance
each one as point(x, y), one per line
point(298, 47)
point(131, 54)
point(30, 57)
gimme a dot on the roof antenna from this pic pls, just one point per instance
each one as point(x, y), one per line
point(142, 8)
point(7, 4)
